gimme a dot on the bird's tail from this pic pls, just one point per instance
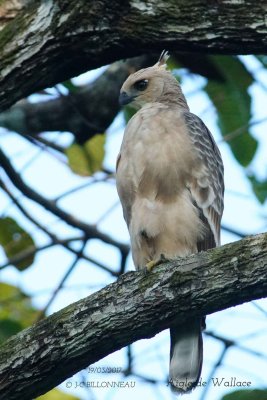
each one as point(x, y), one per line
point(186, 355)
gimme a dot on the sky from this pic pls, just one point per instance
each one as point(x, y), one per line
point(52, 177)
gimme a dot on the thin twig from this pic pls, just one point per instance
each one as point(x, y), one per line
point(31, 251)
point(237, 132)
point(63, 280)
point(83, 186)
point(90, 231)
point(235, 232)
point(107, 212)
point(51, 235)
point(259, 308)
point(213, 371)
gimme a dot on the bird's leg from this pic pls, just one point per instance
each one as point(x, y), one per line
point(153, 263)
point(163, 259)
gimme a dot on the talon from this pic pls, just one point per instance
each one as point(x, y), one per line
point(153, 263)
point(150, 265)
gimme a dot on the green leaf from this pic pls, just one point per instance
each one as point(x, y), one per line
point(254, 394)
point(233, 104)
point(16, 311)
point(57, 394)
point(95, 151)
point(8, 327)
point(70, 86)
point(259, 188)
point(88, 158)
point(174, 63)
point(15, 240)
point(128, 112)
point(263, 60)
point(197, 64)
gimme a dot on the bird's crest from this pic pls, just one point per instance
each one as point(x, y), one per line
point(161, 63)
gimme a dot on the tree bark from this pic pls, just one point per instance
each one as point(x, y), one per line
point(137, 306)
point(89, 110)
point(50, 41)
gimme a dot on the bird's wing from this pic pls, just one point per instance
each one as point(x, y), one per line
point(125, 174)
point(124, 187)
point(207, 183)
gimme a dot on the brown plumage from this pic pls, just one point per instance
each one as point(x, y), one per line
point(170, 183)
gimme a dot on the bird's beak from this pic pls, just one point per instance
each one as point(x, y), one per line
point(124, 98)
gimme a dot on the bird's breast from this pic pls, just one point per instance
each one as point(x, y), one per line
point(159, 153)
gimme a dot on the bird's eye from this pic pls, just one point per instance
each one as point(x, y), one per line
point(141, 85)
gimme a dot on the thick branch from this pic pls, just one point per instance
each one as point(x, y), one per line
point(86, 112)
point(50, 41)
point(91, 108)
point(9, 10)
point(137, 306)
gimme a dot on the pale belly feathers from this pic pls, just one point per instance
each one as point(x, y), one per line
point(156, 165)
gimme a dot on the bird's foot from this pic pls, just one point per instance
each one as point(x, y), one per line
point(153, 263)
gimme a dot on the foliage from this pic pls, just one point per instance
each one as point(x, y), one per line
point(227, 85)
point(15, 240)
point(57, 394)
point(256, 394)
point(128, 112)
point(233, 104)
point(87, 159)
point(16, 311)
point(259, 187)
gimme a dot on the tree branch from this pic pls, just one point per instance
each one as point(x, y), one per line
point(87, 111)
point(50, 41)
point(137, 306)
point(90, 231)
point(55, 240)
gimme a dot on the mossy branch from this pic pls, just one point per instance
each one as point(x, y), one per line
point(46, 42)
point(137, 306)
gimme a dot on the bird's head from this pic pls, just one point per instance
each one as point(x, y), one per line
point(153, 84)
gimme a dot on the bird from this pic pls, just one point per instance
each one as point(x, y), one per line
point(170, 181)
